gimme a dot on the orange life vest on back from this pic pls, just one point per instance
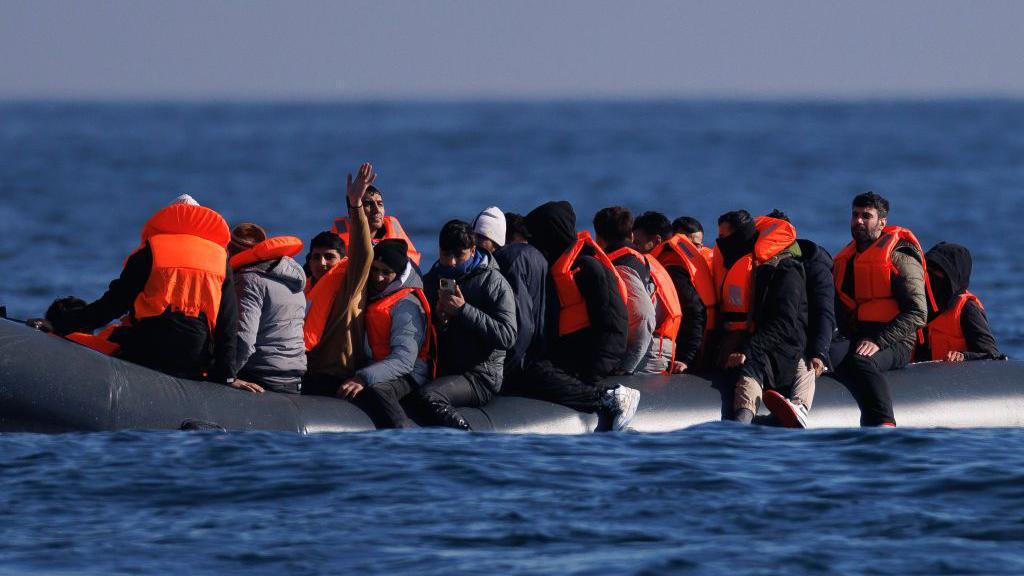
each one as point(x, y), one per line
point(189, 263)
point(680, 251)
point(735, 286)
point(98, 342)
point(572, 315)
point(873, 300)
point(321, 299)
point(945, 334)
point(269, 249)
point(709, 256)
point(664, 296)
point(378, 324)
point(392, 229)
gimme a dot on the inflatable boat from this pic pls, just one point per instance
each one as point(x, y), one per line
point(48, 384)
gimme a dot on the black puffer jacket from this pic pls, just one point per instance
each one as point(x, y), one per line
point(596, 351)
point(821, 299)
point(780, 319)
point(477, 338)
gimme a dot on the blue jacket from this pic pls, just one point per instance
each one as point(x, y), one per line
point(526, 271)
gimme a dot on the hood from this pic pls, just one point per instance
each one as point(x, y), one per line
point(285, 270)
point(955, 263)
point(409, 278)
point(552, 228)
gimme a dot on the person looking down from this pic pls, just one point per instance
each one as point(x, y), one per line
point(381, 226)
point(586, 321)
point(526, 270)
point(692, 229)
point(178, 292)
point(958, 329)
point(475, 318)
point(489, 228)
point(271, 309)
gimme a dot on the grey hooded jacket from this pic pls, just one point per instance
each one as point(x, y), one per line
point(475, 341)
point(408, 329)
point(271, 312)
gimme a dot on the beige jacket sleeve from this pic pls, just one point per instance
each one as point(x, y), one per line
point(340, 352)
point(908, 288)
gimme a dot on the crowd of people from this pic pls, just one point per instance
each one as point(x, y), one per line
point(532, 306)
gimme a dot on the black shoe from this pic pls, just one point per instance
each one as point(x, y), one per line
point(445, 415)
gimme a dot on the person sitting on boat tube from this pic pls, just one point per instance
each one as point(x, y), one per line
point(692, 280)
point(652, 305)
point(474, 314)
point(382, 227)
point(762, 308)
point(271, 309)
point(821, 326)
point(489, 229)
point(587, 323)
point(882, 288)
point(178, 291)
point(326, 250)
point(958, 330)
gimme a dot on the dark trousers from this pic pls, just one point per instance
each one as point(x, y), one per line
point(864, 376)
point(545, 381)
point(383, 402)
point(456, 391)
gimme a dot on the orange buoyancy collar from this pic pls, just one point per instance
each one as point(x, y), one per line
point(873, 299)
point(189, 263)
point(735, 285)
point(665, 295)
point(269, 249)
point(681, 252)
point(321, 298)
point(392, 229)
point(378, 324)
point(572, 316)
point(945, 333)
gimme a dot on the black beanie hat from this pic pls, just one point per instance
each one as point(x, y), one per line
point(394, 252)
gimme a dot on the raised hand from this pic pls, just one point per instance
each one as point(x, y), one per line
point(357, 186)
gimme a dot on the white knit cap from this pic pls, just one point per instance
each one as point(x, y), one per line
point(491, 224)
point(184, 199)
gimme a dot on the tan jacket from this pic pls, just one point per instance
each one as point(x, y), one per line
point(340, 351)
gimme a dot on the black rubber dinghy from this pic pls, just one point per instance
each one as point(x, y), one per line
point(48, 384)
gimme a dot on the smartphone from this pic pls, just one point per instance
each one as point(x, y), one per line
point(447, 285)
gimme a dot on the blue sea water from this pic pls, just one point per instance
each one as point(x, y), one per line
point(77, 180)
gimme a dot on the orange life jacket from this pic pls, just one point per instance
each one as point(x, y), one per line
point(709, 256)
point(665, 297)
point(392, 229)
point(735, 286)
point(873, 300)
point(378, 324)
point(680, 251)
point(189, 263)
point(945, 334)
point(572, 316)
point(269, 249)
point(321, 298)
point(98, 342)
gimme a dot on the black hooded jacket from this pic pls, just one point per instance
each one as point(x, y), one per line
point(821, 299)
point(955, 263)
point(595, 351)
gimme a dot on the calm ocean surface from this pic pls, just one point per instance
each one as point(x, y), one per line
point(77, 181)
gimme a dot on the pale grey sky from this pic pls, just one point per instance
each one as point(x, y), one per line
point(524, 49)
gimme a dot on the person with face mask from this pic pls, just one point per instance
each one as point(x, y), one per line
point(398, 344)
point(884, 301)
point(762, 307)
point(474, 315)
point(692, 229)
point(958, 329)
point(586, 325)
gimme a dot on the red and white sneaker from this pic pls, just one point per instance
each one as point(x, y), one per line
point(787, 413)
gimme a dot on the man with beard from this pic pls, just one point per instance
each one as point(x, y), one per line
point(586, 324)
point(884, 301)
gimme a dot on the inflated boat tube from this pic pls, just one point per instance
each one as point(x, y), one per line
point(48, 384)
